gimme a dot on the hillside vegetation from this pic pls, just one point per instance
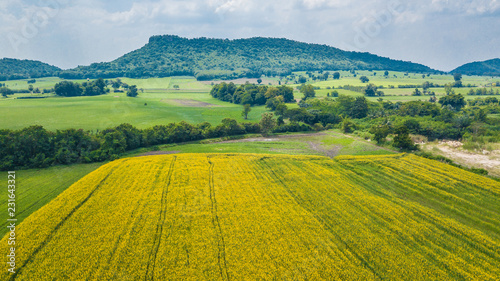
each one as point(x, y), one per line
point(489, 67)
point(223, 216)
point(11, 69)
point(208, 59)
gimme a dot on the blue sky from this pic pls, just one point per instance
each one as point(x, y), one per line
point(442, 34)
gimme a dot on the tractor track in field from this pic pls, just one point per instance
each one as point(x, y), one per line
point(150, 270)
point(221, 255)
point(124, 232)
point(323, 222)
point(58, 226)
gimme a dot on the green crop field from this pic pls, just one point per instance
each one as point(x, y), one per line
point(37, 187)
point(267, 217)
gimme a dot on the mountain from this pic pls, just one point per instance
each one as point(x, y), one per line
point(207, 58)
point(488, 68)
point(11, 69)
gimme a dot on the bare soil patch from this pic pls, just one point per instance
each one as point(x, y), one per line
point(242, 81)
point(332, 152)
point(274, 138)
point(190, 103)
point(489, 161)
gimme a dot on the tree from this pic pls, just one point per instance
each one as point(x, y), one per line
point(302, 79)
point(364, 79)
point(336, 75)
point(116, 84)
point(308, 91)
point(272, 92)
point(402, 139)
point(458, 80)
point(31, 88)
point(360, 108)
point(274, 102)
point(259, 81)
point(371, 91)
point(347, 125)
point(380, 133)
point(246, 109)
point(457, 101)
point(281, 109)
point(132, 91)
point(326, 75)
point(416, 92)
point(386, 73)
point(68, 89)
point(426, 85)
point(176, 87)
point(287, 93)
point(6, 92)
point(267, 123)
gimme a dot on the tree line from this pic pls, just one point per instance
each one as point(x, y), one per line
point(36, 147)
point(252, 94)
point(73, 89)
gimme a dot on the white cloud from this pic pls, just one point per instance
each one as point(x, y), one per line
point(476, 7)
point(99, 30)
point(317, 4)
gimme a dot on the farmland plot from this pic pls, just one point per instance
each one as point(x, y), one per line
point(265, 217)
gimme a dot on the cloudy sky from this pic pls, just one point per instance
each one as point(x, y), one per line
point(442, 34)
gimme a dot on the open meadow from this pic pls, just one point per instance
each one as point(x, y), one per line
point(231, 216)
point(160, 101)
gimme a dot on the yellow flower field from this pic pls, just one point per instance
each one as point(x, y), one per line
point(266, 217)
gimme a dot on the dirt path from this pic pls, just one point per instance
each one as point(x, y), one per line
point(274, 138)
point(327, 152)
point(190, 103)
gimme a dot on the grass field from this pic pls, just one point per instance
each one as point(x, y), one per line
point(191, 102)
point(158, 104)
point(101, 112)
point(35, 188)
point(328, 143)
point(227, 216)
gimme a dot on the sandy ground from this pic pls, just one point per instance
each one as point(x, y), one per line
point(489, 161)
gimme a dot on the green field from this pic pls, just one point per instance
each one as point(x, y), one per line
point(266, 217)
point(37, 187)
point(191, 102)
point(328, 143)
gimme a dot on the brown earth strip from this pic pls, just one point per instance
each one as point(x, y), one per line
point(190, 103)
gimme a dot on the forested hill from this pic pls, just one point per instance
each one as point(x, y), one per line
point(206, 59)
point(11, 69)
point(489, 67)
